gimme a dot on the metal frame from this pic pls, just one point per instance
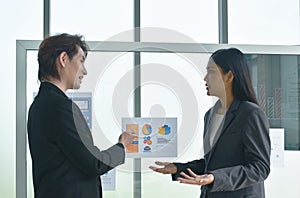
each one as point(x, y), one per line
point(118, 46)
point(223, 21)
point(137, 163)
point(22, 46)
point(46, 26)
point(21, 103)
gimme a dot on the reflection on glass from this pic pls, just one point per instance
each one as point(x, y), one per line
point(110, 81)
point(172, 85)
point(276, 81)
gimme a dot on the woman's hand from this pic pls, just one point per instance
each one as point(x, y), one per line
point(168, 168)
point(196, 179)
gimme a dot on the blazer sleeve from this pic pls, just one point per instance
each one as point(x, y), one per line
point(74, 139)
point(197, 166)
point(257, 149)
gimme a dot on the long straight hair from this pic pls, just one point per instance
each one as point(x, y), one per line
point(234, 60)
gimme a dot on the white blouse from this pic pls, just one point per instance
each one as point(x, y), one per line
point(215, 123)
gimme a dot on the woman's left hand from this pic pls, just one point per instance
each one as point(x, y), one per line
point(196, 179)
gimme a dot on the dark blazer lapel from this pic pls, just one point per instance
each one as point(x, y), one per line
point(230, 115)
point(206, 144)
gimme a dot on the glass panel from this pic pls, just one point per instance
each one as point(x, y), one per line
point(164, 76)
point(263, 22)
point(96, 20)
point(192, 20)
point(173, 86)
point(110, 83)
point(276, 81)
point(111, 75)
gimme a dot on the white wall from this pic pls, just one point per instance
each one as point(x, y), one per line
point(284, 182)
point(18, 20)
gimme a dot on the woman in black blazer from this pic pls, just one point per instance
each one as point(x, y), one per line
point(66, 164)
point(236, 135)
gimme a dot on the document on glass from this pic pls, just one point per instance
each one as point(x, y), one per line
point(154, 137)
point(277, 147)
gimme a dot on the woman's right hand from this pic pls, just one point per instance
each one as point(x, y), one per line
point(168, 168)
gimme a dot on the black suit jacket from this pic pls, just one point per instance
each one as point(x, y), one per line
point(240, 157)
point(66, 164)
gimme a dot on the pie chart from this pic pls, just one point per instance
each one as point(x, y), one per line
point(164, 130)
point(147, 129)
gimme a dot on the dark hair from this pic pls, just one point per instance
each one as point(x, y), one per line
point(234, 60)
point(51, 47)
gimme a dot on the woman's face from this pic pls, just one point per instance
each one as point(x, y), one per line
point(214, 79)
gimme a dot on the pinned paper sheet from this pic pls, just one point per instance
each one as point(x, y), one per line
point(154, 137)
point(277, 147)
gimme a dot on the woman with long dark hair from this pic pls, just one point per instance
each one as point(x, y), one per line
point(236, 135)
